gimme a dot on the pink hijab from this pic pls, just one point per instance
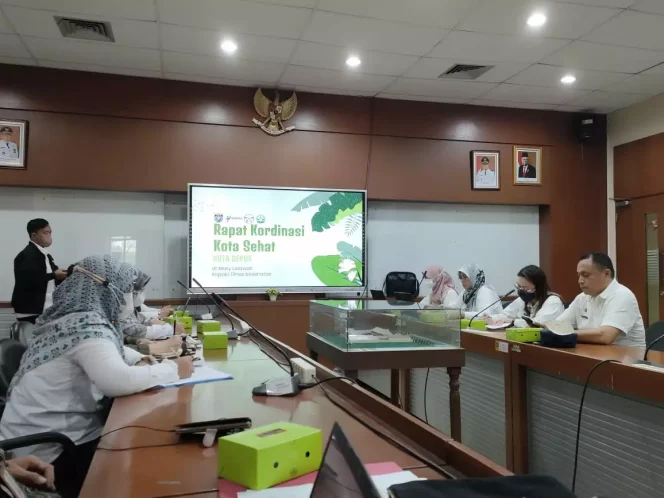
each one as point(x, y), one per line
point(442, 283)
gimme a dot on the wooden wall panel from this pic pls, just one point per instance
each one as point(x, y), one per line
point(439, 171)
point(637, 168)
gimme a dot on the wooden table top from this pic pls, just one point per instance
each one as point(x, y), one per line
point(189, 468)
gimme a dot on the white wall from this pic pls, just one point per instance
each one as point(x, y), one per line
point(626, 125)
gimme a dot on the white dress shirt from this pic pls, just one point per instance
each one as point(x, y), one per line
point(485, 178)
point(63, 394)
point(615, 307)
point(450, 300)
point(485, 296)
point(551, 309)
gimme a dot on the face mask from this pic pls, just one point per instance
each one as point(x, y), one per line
point(127, 308)
point(526, 296)
point(139, 299)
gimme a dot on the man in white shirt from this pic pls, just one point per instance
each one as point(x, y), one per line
point(8, 148)
point(606, 312)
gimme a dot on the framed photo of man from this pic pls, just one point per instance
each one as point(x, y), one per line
point(527, 165)
point(13, 143)
point(485, 170)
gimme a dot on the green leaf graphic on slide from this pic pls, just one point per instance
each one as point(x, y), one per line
point(327, 212)
point(348, 251)
point(326, 269)
point(347, 212)
point(312, 200)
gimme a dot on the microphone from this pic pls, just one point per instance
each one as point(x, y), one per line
point(496, 301)
point(232, 333)
point(652, 343)
point(198, 298)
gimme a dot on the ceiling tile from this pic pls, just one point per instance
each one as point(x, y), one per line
point(652, 6)
point(333, 57)
point(619, 4)
point(206, 42)
point(95, 68)
point(292, 3)
point(609, 100)
point(220, 67)
point(214, 81)
point(532, 94)
point(93, 53)
point(11, 46)
point(361, 33)
point(332, 91)
point(431, 68)
point(543, 75)
point(564, 20)
point(18, 61)
point(594, 56)
point(42, 24)
point(5, 27)
point(325, 78)
point(640, 83)
point(438, 88)
point(437, 13)
point(125, 9)
point(659, 69)
point(631, 29)
point(517, 105)
point(444, 100)
point(467, 46)
point(576, 108)
point(231, 17)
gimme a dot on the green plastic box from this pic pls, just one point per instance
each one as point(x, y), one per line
point(477, 324)
point(181, 313)
point(186, 321)
point(269, 455)
point(203, 326)
point(523, 335)
point(215, 340)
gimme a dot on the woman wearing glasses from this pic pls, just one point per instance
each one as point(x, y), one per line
point(535, 301)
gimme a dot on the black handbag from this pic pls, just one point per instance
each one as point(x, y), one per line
point(401, 284)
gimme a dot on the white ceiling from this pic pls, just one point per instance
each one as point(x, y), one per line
point(615, 48)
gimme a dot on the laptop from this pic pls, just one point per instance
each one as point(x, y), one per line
point(342, 474)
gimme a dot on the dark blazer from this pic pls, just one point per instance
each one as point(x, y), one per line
point(31, 280)
point(530, 173)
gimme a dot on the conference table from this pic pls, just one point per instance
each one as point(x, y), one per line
point(137, 457)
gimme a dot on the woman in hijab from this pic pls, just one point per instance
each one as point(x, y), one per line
point(76, 358)
point(442, 292)
point(477, 294)
point(535, 301)
point(139, 326)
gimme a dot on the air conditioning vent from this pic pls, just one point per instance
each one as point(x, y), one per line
point(465, 72)
point(82, 29)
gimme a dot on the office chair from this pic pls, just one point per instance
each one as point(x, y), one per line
point(18, 331)
point(653, 332)
point(11, 352)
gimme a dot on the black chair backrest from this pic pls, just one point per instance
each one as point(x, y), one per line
point(11, 352)
point(653, 332)
point(402, 282)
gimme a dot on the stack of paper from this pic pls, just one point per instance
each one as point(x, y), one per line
point(199, 376)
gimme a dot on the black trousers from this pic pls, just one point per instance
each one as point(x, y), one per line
point(70, 470)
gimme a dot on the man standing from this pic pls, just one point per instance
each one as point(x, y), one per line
point(527, 170)
point(485, 177)
point(8, 148)
point(35, 274)
point(606, 312)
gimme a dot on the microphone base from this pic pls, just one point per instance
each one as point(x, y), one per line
point(283, 386)
point(232, 334)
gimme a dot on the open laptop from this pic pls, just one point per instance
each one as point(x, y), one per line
point(342, 474)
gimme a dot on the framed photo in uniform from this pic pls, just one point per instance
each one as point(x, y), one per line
point(527, 165)
point(485, 170)
point(13, 143)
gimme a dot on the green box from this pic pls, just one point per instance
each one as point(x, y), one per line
point(186, 321)
point(203, 326)
point(269, 455)
point(523, 335)
point(181, 313)
point(477, 324)
point(215, 340)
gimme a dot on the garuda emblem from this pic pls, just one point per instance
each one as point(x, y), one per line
point(274, 113)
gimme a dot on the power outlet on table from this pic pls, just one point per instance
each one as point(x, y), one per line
point(306, 370)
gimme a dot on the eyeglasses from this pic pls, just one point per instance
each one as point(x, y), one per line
point(524, 289)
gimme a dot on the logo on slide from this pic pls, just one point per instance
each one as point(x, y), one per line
point(260, 218)
point(218, 218)
point(249, 218)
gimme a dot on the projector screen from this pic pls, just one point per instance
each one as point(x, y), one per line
point(250, 239)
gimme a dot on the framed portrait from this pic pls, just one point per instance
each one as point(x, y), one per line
point(527, 165)
point(13, 143)
point(485, 170)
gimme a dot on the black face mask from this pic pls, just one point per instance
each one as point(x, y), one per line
point(526, 296)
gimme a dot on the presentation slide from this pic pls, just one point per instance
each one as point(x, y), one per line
point(244, 238)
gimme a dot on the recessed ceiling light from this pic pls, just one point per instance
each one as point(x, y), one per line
point(228, 46)
point(568, 79)
point(536, 20)
point(353, 61)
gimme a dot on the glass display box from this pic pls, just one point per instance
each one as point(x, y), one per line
point(385, 325)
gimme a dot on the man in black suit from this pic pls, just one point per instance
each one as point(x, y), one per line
point(527, 170)
point(35, 274)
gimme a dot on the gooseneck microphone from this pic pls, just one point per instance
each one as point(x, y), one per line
point(233, 332)
point(198, 298)
point(652, 343)
point(483, 310)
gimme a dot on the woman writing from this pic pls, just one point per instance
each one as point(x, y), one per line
point(76, 358)
point(535, 301)
point(442, 292)
point(477, 294)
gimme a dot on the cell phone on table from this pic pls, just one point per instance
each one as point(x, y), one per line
point(223, 426)
point(528, 320)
